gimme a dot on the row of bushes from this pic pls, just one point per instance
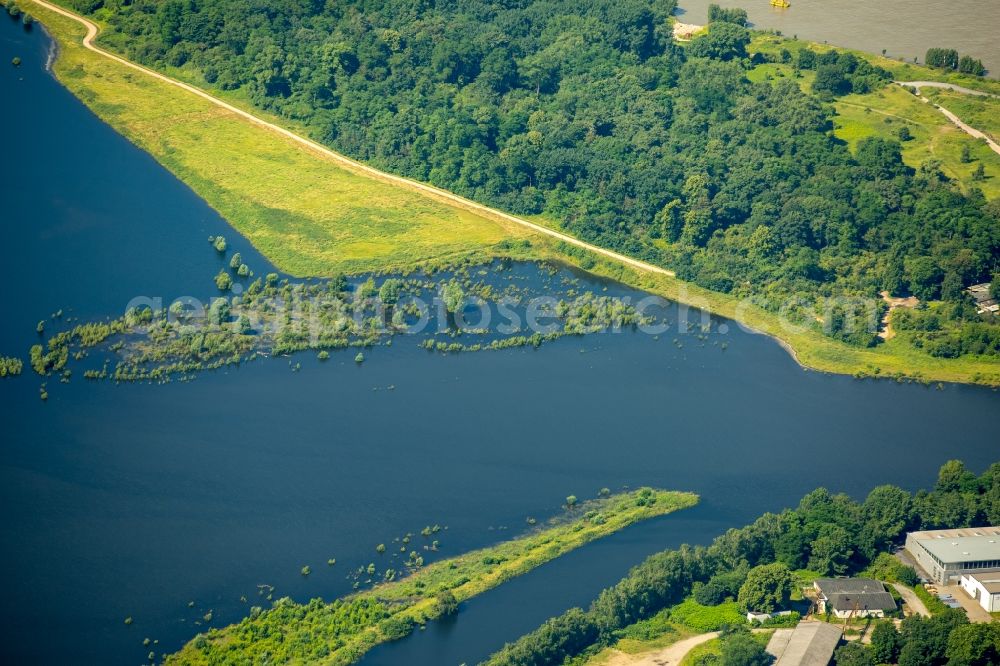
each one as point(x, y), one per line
point(948, 59)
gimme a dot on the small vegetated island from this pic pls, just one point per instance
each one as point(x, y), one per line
point(342, 631)
point(465, 308)
point(779, 180)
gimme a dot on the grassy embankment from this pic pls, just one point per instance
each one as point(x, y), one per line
point(310, 216)
point(339, 633)
point(307, 214)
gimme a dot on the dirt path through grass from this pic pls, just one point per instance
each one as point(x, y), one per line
point(946, 86)
point(353, 165)
point(668, 656)
point(912, 600)
point(968, 129)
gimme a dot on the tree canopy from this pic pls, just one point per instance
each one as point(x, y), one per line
point(588, 112)
point(767, 588)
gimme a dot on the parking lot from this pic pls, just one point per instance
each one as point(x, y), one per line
point(956, 597)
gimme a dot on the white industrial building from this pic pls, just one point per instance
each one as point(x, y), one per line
point(985, 589)
point(947, 555)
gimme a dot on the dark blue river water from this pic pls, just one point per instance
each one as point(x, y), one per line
point(134, 500)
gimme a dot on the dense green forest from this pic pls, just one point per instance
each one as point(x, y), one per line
point(588, 112)
point(828, 533)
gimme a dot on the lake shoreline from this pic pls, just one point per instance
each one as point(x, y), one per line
point(810, 349)
point(165, 503)
point(896, 27)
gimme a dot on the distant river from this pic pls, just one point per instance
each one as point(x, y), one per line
point(904, 28)
point(135, 500)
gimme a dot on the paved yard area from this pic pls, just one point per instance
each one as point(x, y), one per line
point(975, 612)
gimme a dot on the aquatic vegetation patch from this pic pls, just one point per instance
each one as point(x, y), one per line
point(10, 366)
point(467, 307)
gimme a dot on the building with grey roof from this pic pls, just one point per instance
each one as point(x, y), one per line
point(945, 555)
point(808, 644)
point(857, 597)
point(984, 300)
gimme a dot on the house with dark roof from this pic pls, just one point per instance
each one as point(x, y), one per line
point(857, 597)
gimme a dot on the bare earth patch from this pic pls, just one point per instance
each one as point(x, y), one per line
point(885, 330)
point(685, 31)
point(668, 656)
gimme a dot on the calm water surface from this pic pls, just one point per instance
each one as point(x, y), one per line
point(904, 28)
point(133, 500)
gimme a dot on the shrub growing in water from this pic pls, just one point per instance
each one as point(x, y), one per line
point(223, 281)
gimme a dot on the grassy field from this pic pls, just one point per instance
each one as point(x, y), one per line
point(317, 634)
point(308, 215)
point(312, 217)
point(883, 112)
point(773, 71)
point(981, 112)
point(652, 633)
point(670, 626)
point(667, 627)
point(700, 619)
